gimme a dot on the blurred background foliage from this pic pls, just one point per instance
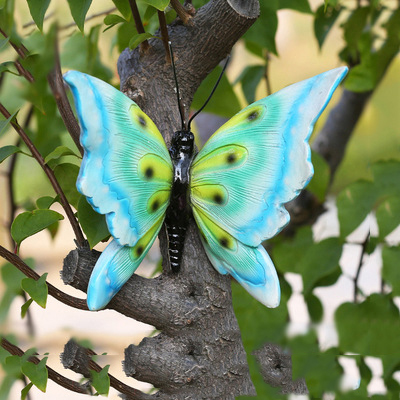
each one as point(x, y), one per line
point(292, 40)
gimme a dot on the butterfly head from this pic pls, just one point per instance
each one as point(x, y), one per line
point(182, 142)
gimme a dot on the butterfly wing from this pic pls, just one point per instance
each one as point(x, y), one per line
point(126, 172)
point(248, 169)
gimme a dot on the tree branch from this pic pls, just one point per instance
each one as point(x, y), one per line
point(56, 83)
point(360, 264)
point(183, 14)
point(332, 140)
point(276, 369)
point(79, 360)
point(50, 174)
point(164, 34)
point(53, 375)
point(138, 23)
point(30, 273)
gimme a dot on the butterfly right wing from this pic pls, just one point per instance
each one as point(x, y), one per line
point(245, 173)
point(126, 174)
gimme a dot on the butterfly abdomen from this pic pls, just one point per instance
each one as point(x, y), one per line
point(178, 211)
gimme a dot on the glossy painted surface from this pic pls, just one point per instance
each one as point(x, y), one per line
point(236, 185)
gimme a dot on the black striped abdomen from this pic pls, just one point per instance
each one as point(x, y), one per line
point(176, 237)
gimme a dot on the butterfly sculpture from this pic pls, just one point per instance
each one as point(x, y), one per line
point(235, 187)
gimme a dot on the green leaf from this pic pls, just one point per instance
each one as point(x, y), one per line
point(12, 365)
point(224, 101)
point(354, 203)
point(25, 307)
point(386, 177)
point(315, 308)
point(9, 66)
point(4, 123)
point(37, 373)
point(30, 222)
point(287, 254)
point(388, 216)
point(93, 224)
point(255, 49)
point(7, 151)
point(139, 38)
point(101, 380)
point(391, 270)
point(249, 79)
point(58, 152)
point(12, 278)
point(369, 328)
point(353, 29)
point(321, 370)
point(113, 19)
point(4, 42)
point(297, 5)
point(44, 203)
point(66, 175)
point(123, 8)
point(25, 390)
point(320, 181)
point(325, 18)
point(365, 372)
point(38, 9)
point(263, 31)
point(79, 9)
point(319, 261)
point(159, 4)
point(38, 290)
point(124, 34)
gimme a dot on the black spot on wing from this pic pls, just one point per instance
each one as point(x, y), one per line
point(139, 251)
point(142, 121)
point(231, 158)
point(155, 206)
point(253, 115)
point(149, 173)
point(218, 198)
point(224, 242)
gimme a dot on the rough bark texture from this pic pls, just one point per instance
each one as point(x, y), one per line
point(276, 369)
point(199, 352)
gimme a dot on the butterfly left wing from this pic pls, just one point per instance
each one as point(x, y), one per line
point(248, 169)
point(126, 174)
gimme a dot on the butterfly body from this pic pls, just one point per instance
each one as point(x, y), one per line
point(178, 211)
point(235, 187)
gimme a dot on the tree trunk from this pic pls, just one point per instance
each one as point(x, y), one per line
point(199, 352)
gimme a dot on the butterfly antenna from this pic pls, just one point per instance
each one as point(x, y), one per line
point(177, 86)
point(212, 92)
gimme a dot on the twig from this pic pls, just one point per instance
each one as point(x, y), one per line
point(164, 34)
point(355, 280)
point(56, 83)
point(13, 209)
point(266, 73)
point(30, 273)
point(181, 11)
point(79, 359)
point(92, 16)
point(22, 51)
point(24, 72)
point(53, 375)
point(138, 23)
point(50, 174)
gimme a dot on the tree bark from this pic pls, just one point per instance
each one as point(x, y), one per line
point(199, 352)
